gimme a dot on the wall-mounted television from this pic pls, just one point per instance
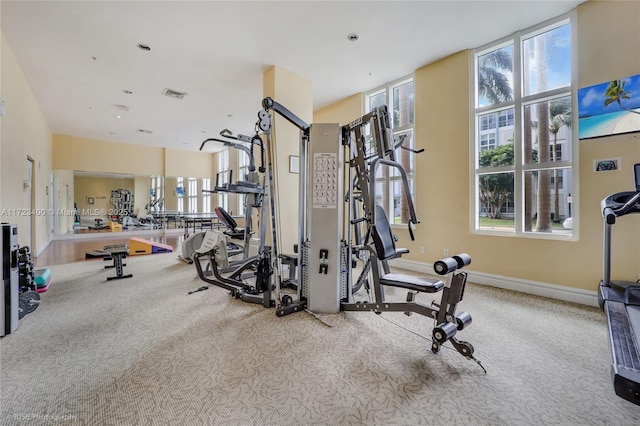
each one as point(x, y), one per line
point(180, 191)
point(609, 108)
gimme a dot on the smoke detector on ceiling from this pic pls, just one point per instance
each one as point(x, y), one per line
point(174, 93)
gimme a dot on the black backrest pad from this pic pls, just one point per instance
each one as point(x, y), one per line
point(226, 218)
point(636, 172)
point(382, 236)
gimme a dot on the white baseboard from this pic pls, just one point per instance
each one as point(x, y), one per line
point(553, 291)
point(42, 248)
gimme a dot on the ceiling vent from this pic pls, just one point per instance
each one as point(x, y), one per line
point(145, 131)
point(174, 93)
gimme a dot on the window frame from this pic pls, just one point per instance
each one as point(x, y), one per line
point(192, 194)
point(390, 179)
point(206, 196)
point(519, 169)
point(243, 170)
point(223, 197)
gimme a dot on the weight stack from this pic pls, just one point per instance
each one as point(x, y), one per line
point(9, 293)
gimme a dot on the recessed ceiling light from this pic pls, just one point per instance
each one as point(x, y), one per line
point(122, 107)
point(352, 36)
point(112, 133)
point(128, 92)
point(145, 131)
point(118, 116)
point(230, 115)
point(144, 47)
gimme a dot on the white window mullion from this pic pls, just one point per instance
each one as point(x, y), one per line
point(518, 184)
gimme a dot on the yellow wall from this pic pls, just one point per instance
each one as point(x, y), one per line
point(296, 94)
point(604, 54)
point(443, 172)
point(73, 153)
point(25, 133)
point(343, 112)
point(187, 163)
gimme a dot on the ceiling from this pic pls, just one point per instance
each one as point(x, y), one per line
point(80, 56)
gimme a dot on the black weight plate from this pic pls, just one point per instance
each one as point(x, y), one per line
point(33, 300)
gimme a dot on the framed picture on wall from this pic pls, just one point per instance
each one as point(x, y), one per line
point(294, 164)
point(89, 200)
point(609, 108)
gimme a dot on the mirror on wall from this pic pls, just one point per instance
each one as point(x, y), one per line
point(89, 200)
point(86, 201)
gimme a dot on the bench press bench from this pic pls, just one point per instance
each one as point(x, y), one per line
point(117, 253)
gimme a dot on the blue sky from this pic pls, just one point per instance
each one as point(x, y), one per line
point(591, 99)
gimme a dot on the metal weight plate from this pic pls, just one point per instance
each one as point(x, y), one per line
point(33, 300)
point(23, 307)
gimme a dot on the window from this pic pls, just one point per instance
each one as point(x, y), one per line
point(523, 134)
point(223, 174)
point(193, 195)
point(243, 172)
point(206, 196)
point(399, 98)
point(180, 193)
point(156, 202)
point(487, 142)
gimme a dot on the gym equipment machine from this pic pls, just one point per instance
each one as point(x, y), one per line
point(214, 249)
point(248, 186)
point(212, 246)
point(9, 294)
point(329, 227)
point(621, 300)
point(29, 296)
point(122, 202)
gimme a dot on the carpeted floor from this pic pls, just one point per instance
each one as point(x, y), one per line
point(142, 352)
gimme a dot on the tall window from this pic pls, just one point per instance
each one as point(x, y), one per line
point(243, 170)
point(523, 132)
point(156, 202)
point(206, 196)
point(223, 178)
point(193, 195)
point(399, 98)
point(180, 193)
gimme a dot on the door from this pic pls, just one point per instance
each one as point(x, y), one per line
point(29, 204)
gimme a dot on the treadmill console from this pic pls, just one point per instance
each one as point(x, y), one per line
point(636, 173)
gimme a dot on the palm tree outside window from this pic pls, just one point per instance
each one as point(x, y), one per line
point(523, 163)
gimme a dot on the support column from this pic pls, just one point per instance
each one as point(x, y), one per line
point(296, 94)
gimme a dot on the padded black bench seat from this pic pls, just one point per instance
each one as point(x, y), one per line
point(410, 282)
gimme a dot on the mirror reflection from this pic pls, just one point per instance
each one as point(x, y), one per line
point(91, 202)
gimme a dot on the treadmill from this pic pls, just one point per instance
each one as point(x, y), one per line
point(621, 301)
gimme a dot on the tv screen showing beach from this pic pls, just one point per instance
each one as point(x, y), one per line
point(609, 108)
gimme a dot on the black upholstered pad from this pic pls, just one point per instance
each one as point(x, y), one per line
point(410, 282)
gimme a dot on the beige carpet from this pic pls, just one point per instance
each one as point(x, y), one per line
point(141, 351)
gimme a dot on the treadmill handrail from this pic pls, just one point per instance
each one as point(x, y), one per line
point(610, 211)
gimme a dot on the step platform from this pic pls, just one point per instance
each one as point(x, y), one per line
point(42, 278)
point(141, 246)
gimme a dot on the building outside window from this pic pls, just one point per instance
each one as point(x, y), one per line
point(523, 166)
point(399, 98)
